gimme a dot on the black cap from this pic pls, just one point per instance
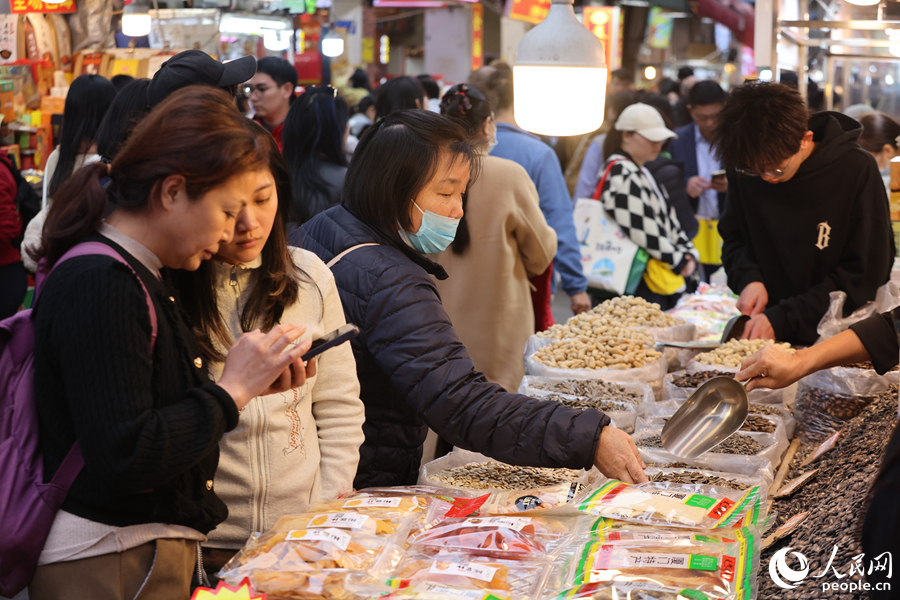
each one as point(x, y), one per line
point(193, 67)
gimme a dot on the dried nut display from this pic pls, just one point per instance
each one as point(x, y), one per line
point(594, 389)
point(585, 402)
point(759, 424)
point(733, 352)
point(596, 353)
point(694, 380)
point(687, 476)
point(736, 444)
point(500, 476)
point(820, 413)
point(625, 312)
point(766, 409)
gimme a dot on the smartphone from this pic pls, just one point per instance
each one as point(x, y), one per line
point(718, 174)
point(330, 340)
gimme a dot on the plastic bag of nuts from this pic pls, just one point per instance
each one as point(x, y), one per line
point(742, 443)
point(681, 384)
point(828, 398)
point(637, 393)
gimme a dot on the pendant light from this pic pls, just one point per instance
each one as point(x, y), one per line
point(559, 78)
point(332, 44)
point(135, 19)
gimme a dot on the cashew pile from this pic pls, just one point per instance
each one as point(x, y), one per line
point(605, 352)
point(622, 313)
point(733, 352)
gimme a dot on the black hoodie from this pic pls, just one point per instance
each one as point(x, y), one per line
point(826, 229)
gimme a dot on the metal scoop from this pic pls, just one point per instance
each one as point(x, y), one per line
point(715, 411)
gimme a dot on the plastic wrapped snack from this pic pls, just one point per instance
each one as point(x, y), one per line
point(672, 504)
point(555, 499)
point(610, 531)
point(327, 584)
point(427, 590)
point(402, 490)
point(319, 541)
point(516, 538)
point(470, 572)
point(718, 569)
point(626, 590)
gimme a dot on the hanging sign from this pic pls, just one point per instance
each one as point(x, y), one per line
point(37, 6)
point(530, 11)
point(477, 36)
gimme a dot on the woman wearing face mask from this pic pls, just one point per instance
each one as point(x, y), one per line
point(145, 414)
point(881, 138)
point(502, 240)
point(402, 199)
point(632, 197)
point(294, 447)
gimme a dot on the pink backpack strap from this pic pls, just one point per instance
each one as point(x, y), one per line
point(91, 248)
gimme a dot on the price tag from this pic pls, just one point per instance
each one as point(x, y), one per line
point(438, 592)
point(795, 484)
point(822, 449)
point(330, 535)
point(389, 502)
point(472, 570)
point(341, 520)
point(516, 523)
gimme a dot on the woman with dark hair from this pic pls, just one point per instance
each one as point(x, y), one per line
point(127, 109)
point(360, 80)
point(142, 409)
point(502, 241)
point(881, 138)
point(88, 100)
point(403, 199)
point(266, 470)
point(314, 134)
point(272, 92)
point(399, 93)
point(363, 116)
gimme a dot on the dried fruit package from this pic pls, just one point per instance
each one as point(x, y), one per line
point(519, 578)
point(609, 531)
point(556, 499)
point(717, 569)
point(516, 538)
point(400, 490)
point(627, 590)
point(327, 584)
point(673, 504)
point(427, 590)
point(317, 541)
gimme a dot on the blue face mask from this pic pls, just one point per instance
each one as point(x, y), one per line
point(435, 234)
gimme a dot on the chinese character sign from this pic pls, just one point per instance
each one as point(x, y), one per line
point(477, 36)
point(8, 41)
point(37, 6)
point(602, 22)
point(530, 11)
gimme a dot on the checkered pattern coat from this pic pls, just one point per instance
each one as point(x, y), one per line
point(649, 220)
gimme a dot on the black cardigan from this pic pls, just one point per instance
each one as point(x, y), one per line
point(149, 430)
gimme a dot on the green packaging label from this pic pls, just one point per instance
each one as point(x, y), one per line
point(693, 594)
point(700, 562)
point(701, 501)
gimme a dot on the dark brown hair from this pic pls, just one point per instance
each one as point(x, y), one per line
point(278, 284)
point(878, 130)
point(761, 126)
point(496, 82)
point(197, 133)
point(395, 160)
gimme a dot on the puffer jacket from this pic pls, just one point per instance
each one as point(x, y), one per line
point(413, 370)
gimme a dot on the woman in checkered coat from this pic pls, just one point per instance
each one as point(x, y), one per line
point(640, 206)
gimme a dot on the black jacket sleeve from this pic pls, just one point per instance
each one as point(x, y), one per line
point(671, 177)
point(410, 336)
point(738, 258)
point(866, 254)
point(878, 334)
point(103, 351)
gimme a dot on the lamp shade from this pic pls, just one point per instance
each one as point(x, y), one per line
point(863, 2)
point(332, 45)
point(559, 79)
point(136, 20)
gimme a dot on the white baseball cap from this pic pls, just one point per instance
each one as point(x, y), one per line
point(645, 120)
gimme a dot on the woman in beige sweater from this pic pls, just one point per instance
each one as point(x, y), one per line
point(501, 242)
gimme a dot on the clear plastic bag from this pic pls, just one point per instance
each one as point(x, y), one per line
point(518, 578)
point(713, 566)
point(427, 590)
point(834, 322)
point(622, 414)
point(735, 481)
point(651, 373)
point(770, 424)
point(507, 537)
point(828, 398)
point(727, 463)
point(638, 393)
point(326, 584)
point(556, 500)
point(674, 504)
point(679, 333)
point(770, 447)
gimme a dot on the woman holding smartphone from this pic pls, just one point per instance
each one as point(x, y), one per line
point(296, 446)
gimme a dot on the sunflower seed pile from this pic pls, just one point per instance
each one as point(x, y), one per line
point(765, 409)
point(582, 402)
point(758, 423)
point(500, 476)
point(590, 388)
point(736, 444)
point(696, 477)
point(693, 380)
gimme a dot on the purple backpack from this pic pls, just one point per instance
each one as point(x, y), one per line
point(28, 506)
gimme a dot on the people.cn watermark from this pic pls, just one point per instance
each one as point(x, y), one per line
point(788, 578)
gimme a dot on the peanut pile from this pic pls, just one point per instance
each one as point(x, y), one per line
point(733, 352)
point(617, 315)
point(585, 352)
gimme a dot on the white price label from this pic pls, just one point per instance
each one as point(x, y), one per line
point(341, 520)
point(516, 523)
point(663, 561)
point(330, 535)
point(474, 571)
point(389, 502)
point(659, 536)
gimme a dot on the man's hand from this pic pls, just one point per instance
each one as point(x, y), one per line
point(720, 184)
point(754, 299)
point(580, 303)
point(758, 328)
point(696, 185)
point(689, 267)
point(618, 458)
point(773, 367)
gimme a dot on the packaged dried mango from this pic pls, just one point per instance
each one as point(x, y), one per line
point(327, 584)
point(517, 538)
point(555, 499)
point(317, 541)
point(627, 590)
point(519, 578)
point(405, 490)
point(427, 590)
point(610, 531)
point(673, 504)
point(717, 569)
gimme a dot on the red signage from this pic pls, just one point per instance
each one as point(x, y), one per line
point(37, 6)
point(477, 36)
point(599, 19)
point(530, 11)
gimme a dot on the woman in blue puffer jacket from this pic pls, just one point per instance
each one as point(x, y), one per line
point(402, 199)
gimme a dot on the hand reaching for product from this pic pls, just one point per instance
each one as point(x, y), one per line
point(754, 299)
point(758, 328)
point(258, 359)
point(774, 368)
point(618, 458)
point(581, 303)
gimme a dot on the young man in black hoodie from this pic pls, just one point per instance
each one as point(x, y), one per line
point(806, 215)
